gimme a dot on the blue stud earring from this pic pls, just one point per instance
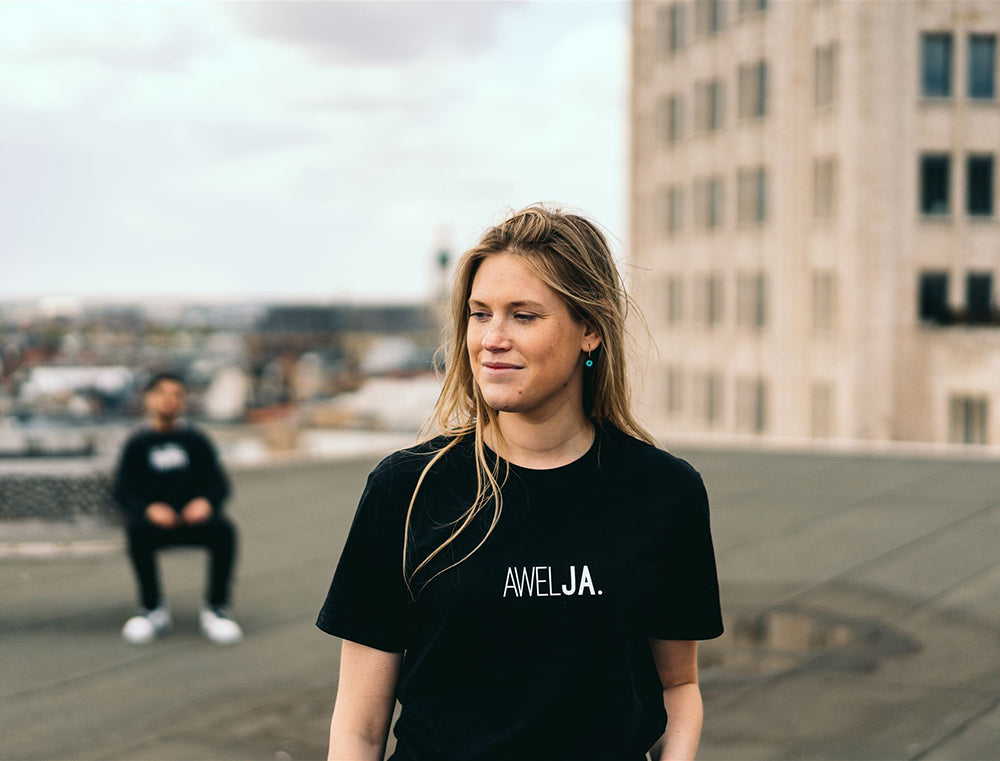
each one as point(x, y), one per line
point(589, 362)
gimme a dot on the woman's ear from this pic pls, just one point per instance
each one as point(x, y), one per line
point(591, 338)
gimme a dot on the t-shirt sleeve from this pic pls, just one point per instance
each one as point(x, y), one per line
point(212, 482)
point(129, 482)
point(685, 601)
point(368, 601)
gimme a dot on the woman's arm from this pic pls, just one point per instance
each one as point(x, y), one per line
point(366, 697)
point(677, 665)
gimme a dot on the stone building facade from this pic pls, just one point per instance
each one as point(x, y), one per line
point(814, 235)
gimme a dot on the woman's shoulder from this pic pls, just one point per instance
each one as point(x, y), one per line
point(406, 465)
point(643, 460)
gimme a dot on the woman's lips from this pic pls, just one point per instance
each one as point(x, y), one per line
point(499, 367)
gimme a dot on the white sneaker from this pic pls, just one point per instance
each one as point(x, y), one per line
point(147, 626)
point(218, 626)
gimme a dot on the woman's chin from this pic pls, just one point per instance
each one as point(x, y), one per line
point(504, 403)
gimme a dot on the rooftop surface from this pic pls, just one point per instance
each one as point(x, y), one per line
point(861, 596)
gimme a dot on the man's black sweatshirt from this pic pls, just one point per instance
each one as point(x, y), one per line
point(172, 466)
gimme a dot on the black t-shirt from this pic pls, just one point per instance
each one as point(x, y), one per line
point(535, 647)
point(172, 466)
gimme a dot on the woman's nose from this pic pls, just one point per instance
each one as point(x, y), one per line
point(495, 336)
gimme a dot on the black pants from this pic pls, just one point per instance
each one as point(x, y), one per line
point(218, 536)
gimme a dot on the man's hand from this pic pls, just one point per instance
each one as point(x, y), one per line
point(162, 515)
point(198, 510)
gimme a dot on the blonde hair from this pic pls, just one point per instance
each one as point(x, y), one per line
point(571, 255)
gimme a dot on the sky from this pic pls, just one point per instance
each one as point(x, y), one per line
point(317, 150)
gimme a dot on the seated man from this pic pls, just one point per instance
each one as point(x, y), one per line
point(172, 488)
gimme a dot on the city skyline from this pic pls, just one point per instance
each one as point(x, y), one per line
point(294, 151)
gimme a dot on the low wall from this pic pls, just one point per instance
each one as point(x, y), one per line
point(70, 488)
point(51, 492)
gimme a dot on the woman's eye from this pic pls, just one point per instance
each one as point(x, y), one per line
point(524, 317)
point(478, 316)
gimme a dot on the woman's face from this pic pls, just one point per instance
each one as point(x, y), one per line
point(524, 345)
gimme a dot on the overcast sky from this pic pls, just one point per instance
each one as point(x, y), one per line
point(294, 150)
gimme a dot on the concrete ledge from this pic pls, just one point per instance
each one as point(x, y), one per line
point(61, 489)
point(61, 496)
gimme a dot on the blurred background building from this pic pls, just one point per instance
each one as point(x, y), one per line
point(813, 190)
point(72, 377)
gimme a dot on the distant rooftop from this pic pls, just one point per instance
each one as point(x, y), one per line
point(346, 317)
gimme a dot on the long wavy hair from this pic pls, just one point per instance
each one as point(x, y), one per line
point(571, 255)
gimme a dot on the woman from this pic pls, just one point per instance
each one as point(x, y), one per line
point(531, 582)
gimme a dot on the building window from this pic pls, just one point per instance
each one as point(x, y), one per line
point(968, 417)
point(709, 105)
point(700, 193)
point(751, 7)
point(934, 171)
point(677, 27)
point(715, 203)
point(822, 410)
point(936, 69)
point(824, 188)
point(661, 121)
point(709, 16)
point(675, 209)
point(675, 119)
point(824, 302)
point(752, 84)
point(751, 196)
point(702, 106)
point(751, 405)
point(662, 31)
point(712, 296)
point(979, 188)
point(933, 306)
point(751, 299)
point(709, 202)
point(662, 213)
point(716, 112)
point(979, 297)
point(982, 65)
point(716, 297)
point(825, 79)
point(675, 299)
point(675, 389)
point(709, 402)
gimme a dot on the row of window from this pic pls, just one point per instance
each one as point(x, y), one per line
point(752, 191)
point(710, 17)
point(968, 414)
point(935, 184)
point(937, 70)
point(751, 300)
point(933, 305)
point(707, 398)
point(709, 202)
point(709, 104)
point(709, 300)
point(752, 96)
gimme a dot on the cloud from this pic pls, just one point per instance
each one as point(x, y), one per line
point(234, 139)
point(375, 32)
point(258, 165)
point(137, 36)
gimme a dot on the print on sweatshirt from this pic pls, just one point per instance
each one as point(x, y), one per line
point(170, 456)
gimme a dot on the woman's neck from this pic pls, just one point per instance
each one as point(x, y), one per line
point(542, 444)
